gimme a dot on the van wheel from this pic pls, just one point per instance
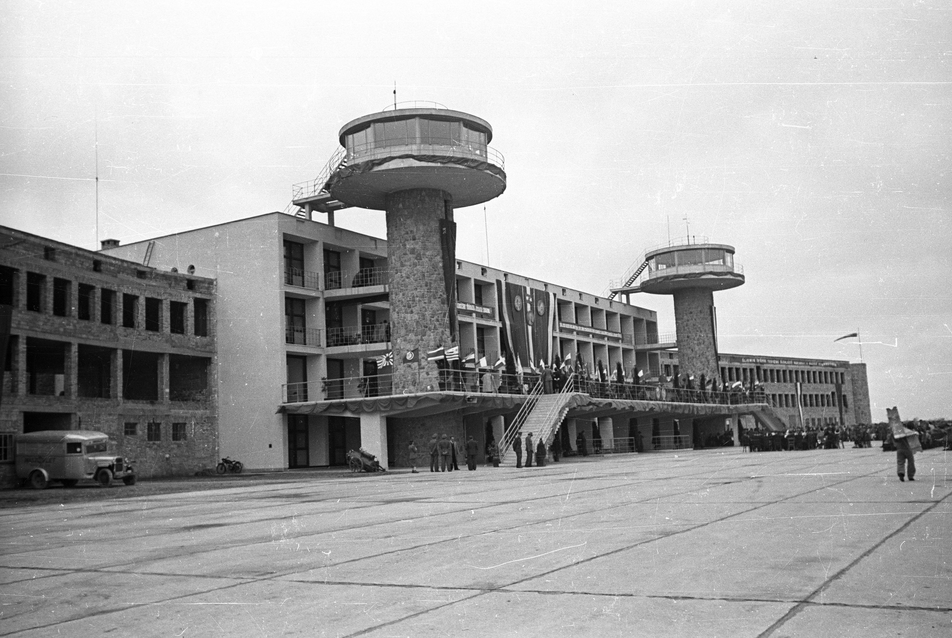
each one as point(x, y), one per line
point(37, 480)
point(69, 482)
point(129, 480)
point(104, 477)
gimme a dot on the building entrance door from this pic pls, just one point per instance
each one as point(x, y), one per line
point(298, 441)
point(338, 440)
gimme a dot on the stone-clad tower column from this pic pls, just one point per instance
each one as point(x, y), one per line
point(420, 307)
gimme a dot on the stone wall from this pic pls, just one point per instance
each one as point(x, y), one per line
point(419, 309)
point(695, 330)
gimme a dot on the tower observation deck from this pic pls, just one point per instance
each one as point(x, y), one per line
point(418, 164)
point(690, 273)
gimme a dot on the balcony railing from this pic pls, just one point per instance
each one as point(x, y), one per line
point(303, 336)
point(655, 339)
point(302, 278)
point(357, 335)
point(335, 280)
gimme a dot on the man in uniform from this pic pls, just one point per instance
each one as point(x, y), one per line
point(472, 448)
point(446, 450)
point(434, 454)
point(530, 449)
point(517, 448)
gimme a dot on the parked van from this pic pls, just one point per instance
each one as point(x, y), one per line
point(68, 456)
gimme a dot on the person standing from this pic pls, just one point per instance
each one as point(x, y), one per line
point(434, 454)
point(517, 448)
point(530, 449)
point(455, 453)
point(547, 379)
point(472, 448)
point(556, 446)
point(446, 451)
point(412, 453)
point(540, 453)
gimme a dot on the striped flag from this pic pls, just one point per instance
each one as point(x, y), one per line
point(500, 362)
point(452, 354)
point(469, 361)
point(435, 355)
point(483, 363)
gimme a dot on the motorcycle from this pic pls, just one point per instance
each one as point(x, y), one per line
point(227, 465)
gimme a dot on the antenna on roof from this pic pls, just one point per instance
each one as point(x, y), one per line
point(395, 95)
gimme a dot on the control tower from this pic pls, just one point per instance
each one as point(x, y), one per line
point(418, 164)
point(691, 273)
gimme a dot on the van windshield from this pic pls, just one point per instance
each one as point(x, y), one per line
point(97, 446)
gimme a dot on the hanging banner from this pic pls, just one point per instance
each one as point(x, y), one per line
point(448, 246)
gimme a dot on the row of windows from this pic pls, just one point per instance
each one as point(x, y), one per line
point(782, 375)
point(110, 310)
point(154, 431)
point(808, 400)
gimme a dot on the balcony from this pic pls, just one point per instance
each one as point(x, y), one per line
point(302, 278)
point(363, 278)
point(358, 335)
point(304, 336)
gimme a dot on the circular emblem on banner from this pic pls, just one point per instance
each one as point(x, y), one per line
point(410, 356)
point(517, 303)
point(540, 307)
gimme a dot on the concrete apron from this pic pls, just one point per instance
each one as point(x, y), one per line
point(698, 543)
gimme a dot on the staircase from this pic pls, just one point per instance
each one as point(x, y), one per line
point(541, 415)
point(633, 276)
point(768, 419)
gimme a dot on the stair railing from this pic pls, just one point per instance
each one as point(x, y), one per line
point(521, 416)
point(553, 418)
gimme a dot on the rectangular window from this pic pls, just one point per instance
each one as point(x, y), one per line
point(35, 291)
point(293, 263)
point(8, 286)
point(295, 321)
point(153, 314)
point(49, 253)
point(130, 428)
point(6, 447)
point(61, 289)
point(84, 309)
point(154, 431)
point(130, 310)
point(107, 306)
point(177, 311)
point(201, 317)
point(178, 432)
point(332, 274)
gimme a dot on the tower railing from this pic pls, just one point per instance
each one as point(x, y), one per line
point(303, 190)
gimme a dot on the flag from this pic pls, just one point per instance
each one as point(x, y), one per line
point(385, 361)
point(483, 363)
point(409, 356)
point(852, 334)
point(436, 355)
point(469, 361)
point(500, 362)
point(452, 354)
point(567, 358)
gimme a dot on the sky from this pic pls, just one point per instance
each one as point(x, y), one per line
point(814, 137)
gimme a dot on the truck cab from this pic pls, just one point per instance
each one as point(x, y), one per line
point(69, 456)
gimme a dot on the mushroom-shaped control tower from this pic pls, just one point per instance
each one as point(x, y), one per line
point(418, 164)
point(691, 273)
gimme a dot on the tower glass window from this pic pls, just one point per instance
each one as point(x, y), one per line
point(293, 263)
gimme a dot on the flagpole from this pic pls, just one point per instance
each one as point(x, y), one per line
point(859, 338)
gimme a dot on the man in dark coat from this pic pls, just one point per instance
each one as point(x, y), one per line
point(530, 449)
point(434, 454)
point(517, 448)
point(446, 450)
point(540, 453)
point(472, 448)
point(556, 446)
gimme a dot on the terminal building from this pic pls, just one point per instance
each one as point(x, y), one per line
point(322, 340)
point(94, 342)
